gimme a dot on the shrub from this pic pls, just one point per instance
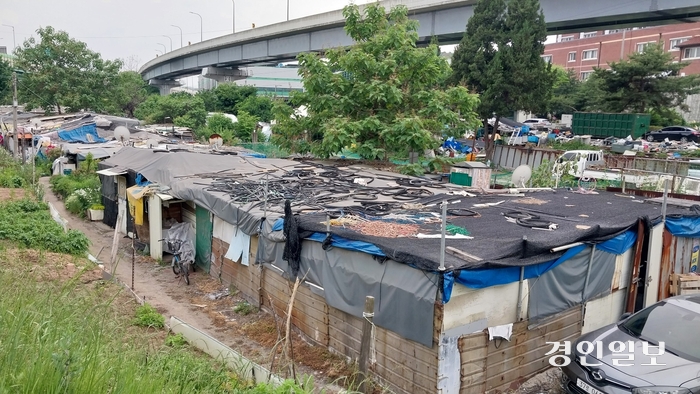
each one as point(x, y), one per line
point(244, 308)
point(175, 341)
point(65, 185)
point(148, 316)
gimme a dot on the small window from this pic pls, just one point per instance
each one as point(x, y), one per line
point(567, 38)
point(691, 53)
point(642, 46)
point(590, 54)
point(547, 58)
point(613, 31)
point(589, 34)
point(572, 56)
point(585, 75)
point(676, 41)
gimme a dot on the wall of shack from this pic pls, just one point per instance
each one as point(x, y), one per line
point(403, 365)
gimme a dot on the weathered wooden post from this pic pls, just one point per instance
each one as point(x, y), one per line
point(366, 343)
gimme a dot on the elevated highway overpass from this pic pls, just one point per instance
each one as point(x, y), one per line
point(220, 58)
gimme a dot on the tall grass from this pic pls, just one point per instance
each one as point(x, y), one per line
point(68, 337)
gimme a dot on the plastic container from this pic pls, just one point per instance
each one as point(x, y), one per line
point(461, 179)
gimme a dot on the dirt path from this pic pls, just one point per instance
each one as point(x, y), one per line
point(205, 304)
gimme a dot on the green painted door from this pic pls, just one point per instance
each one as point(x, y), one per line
point(204, 235)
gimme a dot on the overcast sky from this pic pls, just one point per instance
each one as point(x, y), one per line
point(134, 29)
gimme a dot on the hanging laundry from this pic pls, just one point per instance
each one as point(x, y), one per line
point(239, 247)
point(135, 196)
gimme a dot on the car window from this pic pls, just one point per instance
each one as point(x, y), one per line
point(671, 129)
point(676, 327)
point(568, 156)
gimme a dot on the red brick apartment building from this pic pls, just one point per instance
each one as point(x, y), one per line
point(582, 52)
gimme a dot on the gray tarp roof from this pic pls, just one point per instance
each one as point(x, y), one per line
point(186, 175)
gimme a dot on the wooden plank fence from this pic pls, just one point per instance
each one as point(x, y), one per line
point(510, 157)
point(403, 365)
point(499, 366)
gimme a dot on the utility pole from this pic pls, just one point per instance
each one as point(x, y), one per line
point(14, 113)
point(234, 15)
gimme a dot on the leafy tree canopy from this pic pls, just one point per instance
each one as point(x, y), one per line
point(646, 81)
point(61, 72)
point(183, 108)
point(231, 98)
point(128, 92)
point(381, 97)
point(564, 93)
point(5, 82)
point(258, 106)
point(499, 58)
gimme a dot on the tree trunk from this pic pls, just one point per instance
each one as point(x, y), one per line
point(489, 147)
point(58, 107)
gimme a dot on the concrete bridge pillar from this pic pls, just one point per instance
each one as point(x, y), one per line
point(224, 74)
point(164, 85)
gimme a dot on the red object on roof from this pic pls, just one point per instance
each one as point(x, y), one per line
point(695, 41)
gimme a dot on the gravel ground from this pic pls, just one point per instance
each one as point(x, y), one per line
point(548, 382)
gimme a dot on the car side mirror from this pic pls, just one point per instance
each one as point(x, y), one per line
point(625, 316)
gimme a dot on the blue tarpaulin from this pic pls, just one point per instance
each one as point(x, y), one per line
point(481, 278)
point(349, 244)
point(688, 227)
point(453, 144)
point(140, 182)
point(487, 277)
point(86, 134)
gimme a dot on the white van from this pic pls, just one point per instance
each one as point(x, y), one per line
point(577, 161)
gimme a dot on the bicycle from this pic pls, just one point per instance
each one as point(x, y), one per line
point(175, 246)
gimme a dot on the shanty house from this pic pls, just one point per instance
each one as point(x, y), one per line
point(519, 268)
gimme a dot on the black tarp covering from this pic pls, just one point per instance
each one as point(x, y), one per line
point(580, 218)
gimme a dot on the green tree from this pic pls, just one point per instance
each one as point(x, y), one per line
point(565, 93)
point(381, 97)
point(499, 58)
point(229, 95)
point(183, 108)
point(478, 64)
point(5, 82)
point(61, 72)
point(531, 77)
point(646, 81)
point(244, 127)
point(211, 101)
point(221, 125)
point(258, 106)
point(129, 91)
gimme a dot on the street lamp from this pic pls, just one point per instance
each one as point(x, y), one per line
point(171, 42)
point(201, 26)
point(159, 51)
point(164, 48)
point(14, 43)
point(234, 15)
point(180, 34)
